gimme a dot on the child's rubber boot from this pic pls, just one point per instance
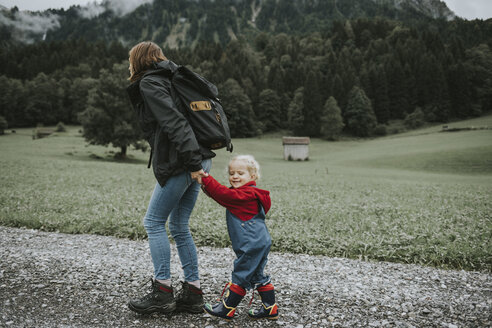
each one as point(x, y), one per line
point(226, 307)
point(268, 309)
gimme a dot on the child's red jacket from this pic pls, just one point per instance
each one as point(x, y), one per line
point(241, 202)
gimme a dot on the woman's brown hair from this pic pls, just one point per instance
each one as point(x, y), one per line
point(142, 56)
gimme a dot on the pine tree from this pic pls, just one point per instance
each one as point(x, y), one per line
point(13, 102)
point(44, 103)
point(348, 75)
point(276, 77)
point(295, 114)
point(331, 120)
point(359, 115)
point(269, 112)
point(313, 105)
point(381, 104)
point(240, 114)
point(338, 88)
point(398, 101)
point(479, 67)
point(3, 125)
point(433, 90)
point(415, 119)
point(459, 91)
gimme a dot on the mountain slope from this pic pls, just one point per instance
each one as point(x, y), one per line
point(185, 22)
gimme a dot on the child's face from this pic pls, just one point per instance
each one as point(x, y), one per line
point(239, 174)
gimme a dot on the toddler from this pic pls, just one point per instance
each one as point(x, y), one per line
point(246, 208)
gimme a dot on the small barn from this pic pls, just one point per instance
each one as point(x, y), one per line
point(296, 148)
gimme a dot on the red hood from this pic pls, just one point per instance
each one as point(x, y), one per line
point(262, 195)
point(242, 201)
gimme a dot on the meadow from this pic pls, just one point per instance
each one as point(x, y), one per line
point(419, 197)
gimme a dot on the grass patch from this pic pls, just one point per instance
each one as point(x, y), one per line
point(414, 198)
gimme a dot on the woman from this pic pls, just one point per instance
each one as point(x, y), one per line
point(179, 163)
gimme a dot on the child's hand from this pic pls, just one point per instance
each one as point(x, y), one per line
point(198, 175)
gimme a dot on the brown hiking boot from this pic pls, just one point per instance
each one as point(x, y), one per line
point(189, 299)
point(160, 299)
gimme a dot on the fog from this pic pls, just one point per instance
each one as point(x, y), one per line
point(29, 26)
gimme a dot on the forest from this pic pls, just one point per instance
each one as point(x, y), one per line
point(349, 77)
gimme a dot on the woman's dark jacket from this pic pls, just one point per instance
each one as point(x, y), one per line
point(173, 144)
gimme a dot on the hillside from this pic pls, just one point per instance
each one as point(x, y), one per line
point(316, 68)
point(186, 22)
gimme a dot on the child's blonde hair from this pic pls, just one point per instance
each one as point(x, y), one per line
point(251, 164)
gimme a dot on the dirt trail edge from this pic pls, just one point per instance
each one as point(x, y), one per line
point(62, 280)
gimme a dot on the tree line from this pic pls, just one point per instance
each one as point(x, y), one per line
point(355, 78)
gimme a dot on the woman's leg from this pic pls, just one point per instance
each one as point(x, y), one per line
point(180, 231)
point(162, 203)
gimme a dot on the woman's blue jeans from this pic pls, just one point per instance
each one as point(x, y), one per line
point(174, 201)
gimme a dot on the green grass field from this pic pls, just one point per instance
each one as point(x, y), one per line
point(418, 197)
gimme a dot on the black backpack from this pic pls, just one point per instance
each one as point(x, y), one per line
point(197, 99)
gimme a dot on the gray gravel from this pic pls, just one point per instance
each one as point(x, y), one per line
point(60, 280)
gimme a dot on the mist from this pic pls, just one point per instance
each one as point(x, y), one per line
point(28, 26)
point(118, 7)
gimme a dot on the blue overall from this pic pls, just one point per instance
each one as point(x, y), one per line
point(251, 242)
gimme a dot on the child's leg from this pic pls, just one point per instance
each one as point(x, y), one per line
point(268, 308)
point(259, 277)
point(226, 307)
point(247, 250)
point(251, 243)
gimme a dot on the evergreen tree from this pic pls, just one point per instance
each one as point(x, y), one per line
point(348, 75)
point(291, 74)
point(415, 119)
point(3, 125)
point(442, 67)
point(276, 77)
point(338, 88)
point(433, 90)
point(381, 99)
point(241, 117)
point(396, 91)
point(326, 66)
point(459, 91)
point(295, 112)
point(77, 96)
point(13, 102)
point(479, 67)
point(109, 118)
point(376, 87)
point(359, 115)
point(410, 85)
point(313, 105)
point(45, 102)
point(269, 112)
point(331, 120)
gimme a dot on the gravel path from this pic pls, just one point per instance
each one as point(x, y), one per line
point(60, 280)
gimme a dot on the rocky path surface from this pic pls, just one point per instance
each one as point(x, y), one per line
point(60, 280)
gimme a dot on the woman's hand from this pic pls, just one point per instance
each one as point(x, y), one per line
point(198, 175)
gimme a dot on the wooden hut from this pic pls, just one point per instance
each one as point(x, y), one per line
point(296, 148)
